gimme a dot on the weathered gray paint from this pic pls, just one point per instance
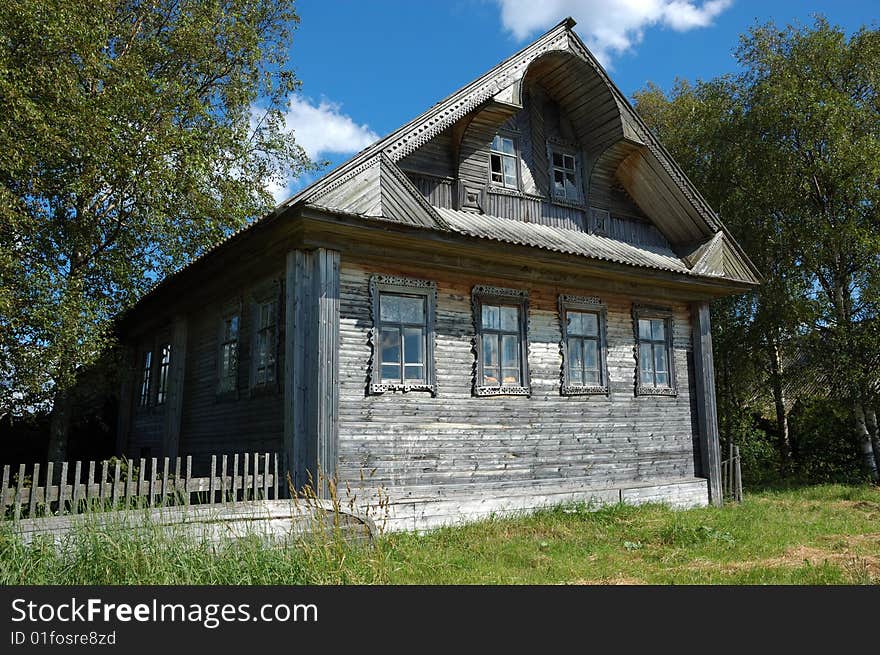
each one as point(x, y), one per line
point(311, 385)
point(458, 446)
point(704, 377)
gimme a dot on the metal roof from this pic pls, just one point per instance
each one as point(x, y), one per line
point(561, 240)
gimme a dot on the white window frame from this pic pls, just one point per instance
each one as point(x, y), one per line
point(503, 184)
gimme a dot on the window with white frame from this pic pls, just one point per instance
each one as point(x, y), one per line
point(501, 318)
point(655, 374)
point(564, 174)
point(403, 334)
point(503, 164)
point(583, 322)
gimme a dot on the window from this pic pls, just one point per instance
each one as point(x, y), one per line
point(403, 334)
point(502, 349)
point(502, 162)
point(564, 175)
point(145, 378)
point(228, 373)
point(653, 328)
point(265, 343)
point(583, 346)
point(164, 369)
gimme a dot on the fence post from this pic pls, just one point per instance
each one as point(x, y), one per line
point(738, 475)
point(50, 486)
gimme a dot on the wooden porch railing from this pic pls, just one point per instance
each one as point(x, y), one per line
point(60, 488)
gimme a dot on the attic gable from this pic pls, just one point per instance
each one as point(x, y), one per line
point(620, 147)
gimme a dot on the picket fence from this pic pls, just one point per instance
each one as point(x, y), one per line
point(48, 490)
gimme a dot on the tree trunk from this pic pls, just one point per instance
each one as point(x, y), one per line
point(59, 427)
point(779, 403)
point(865, 443)
point(871, 422)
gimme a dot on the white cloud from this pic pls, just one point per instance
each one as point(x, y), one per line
point(322, 130)
point(609, 27)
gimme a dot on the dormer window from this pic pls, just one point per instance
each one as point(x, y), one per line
point(502, 162)
point(565, 175)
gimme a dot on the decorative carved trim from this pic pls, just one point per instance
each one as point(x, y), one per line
point(502, 292)
point(588, 303)
point(654, 311)
point(504, 191)
point(432, 124)
point(401, 284)
point(501, 391)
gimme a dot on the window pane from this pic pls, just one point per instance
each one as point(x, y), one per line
point(583, 323)
point(591, 378)
point(510, 171)
point(413, 372)
point(390, 344)
point(389, 307)
point(390, 373)
point(491, 317)
point(490, 350)
point(662, 379)
point(413, 346)
point(660, 358)
point(658, 329)
point(491, 376)
point(568, 162)
point(511, 376)
point(510, 350)
point(495, 163)
point(591, 355)
point(575, 361)
point(507, 145)
point(412, 310)
point(559, 178)
point(557, 159)
point(646, 364)
point(510, 319)
point(644, 329)
point(496, 143)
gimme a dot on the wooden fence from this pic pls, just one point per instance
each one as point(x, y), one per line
point(731, 476)
point(49, 490)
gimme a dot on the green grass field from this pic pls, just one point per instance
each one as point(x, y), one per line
point(814, 535)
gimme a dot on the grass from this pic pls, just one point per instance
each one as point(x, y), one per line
point(816, 535)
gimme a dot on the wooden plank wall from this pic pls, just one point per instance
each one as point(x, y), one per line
point(417, 445)
point(431, 171)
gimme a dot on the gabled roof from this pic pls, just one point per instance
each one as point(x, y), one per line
point(371, 185)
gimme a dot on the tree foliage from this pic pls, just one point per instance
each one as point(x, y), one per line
point(134, 134)
point(788, 150)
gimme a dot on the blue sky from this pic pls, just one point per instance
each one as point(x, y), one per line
point(369, 67)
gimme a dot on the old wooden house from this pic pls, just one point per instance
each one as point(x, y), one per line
point(502, 304)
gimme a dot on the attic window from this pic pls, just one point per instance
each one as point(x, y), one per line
point(502, 162)
point(564, 174)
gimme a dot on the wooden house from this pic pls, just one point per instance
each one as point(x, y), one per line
point(500, 305)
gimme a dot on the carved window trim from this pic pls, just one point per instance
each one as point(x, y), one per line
point(231, 309)
point(408, 286)
point(480, 295)
point(267, 293)
point(585, 304)
point(665, 313)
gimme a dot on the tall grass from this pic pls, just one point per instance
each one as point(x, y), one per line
point(818, 535)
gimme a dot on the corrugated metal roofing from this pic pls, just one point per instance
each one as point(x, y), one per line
point(561, 240)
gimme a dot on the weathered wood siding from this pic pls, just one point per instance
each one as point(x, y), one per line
point(251, 420)
point(415, 444)
point(435, 173)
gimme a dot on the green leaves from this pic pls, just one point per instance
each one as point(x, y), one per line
point(130, 141)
